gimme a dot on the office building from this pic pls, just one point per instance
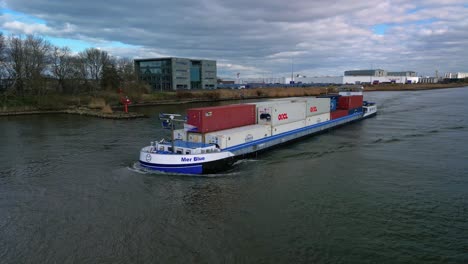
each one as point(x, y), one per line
point(168, 74)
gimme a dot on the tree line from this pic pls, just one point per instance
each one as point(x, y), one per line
point(31, 65)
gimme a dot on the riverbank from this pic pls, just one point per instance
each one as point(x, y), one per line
point(107, 104)
point(84, 111)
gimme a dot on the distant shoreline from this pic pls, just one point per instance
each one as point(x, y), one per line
point(101, 110)
point(412, 87)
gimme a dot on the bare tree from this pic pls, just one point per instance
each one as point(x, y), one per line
point(63, 68)
point(16, 69)
point(2, 48)
point(27, 62)
point(125, 69)
point(3, 63)
point(37, 51)
point(75, 77)
point(94, 61)
point(4, 76)
point(110, 79)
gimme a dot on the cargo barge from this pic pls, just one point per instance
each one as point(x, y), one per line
point(213, 138)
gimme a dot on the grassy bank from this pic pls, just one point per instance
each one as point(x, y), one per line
point(412, 87)
point(109, 102)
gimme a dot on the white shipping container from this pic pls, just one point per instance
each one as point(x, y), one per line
point(194, 137)
point(287, 127)
point(180, 134)
point(281, 113)
point(312, 120)
point(315, 106)
point(239, 135)
point(263, 104)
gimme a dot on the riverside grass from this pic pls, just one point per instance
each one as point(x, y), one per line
point(106, 100)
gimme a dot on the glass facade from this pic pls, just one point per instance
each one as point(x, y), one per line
point(195, 75)
point(156, 73)
point(164, 74)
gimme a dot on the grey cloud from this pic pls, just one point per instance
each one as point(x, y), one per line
point(266, 35)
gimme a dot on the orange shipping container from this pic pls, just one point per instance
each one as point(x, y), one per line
point(338, 113)
point(350, 102)
point(209, 119)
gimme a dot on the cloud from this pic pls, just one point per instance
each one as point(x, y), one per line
point(255, 37)
point(16, 26)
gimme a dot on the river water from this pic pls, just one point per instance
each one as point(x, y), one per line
point(390, 189)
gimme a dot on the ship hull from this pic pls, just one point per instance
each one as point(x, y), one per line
point(218, 162)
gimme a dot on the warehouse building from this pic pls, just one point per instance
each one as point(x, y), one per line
point(375, 73)
point(456, 75)
point(403, 73)
point(379, 76)
point(167, 74)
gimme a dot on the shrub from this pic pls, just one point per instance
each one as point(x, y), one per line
point(97, 103)
point(106, 109)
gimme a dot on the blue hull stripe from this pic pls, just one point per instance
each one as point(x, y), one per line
point(187, 169)
point(170, 165)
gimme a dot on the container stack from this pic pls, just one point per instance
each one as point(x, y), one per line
point(318, 110)
point(350, 102)
point(233, 125)
point(347, 105)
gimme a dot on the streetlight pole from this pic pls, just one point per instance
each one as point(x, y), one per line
point(292, 70)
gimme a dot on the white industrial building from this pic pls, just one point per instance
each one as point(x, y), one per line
point(383, 79)
point(268, 80)
point(350, 77)
point(317, 80)
point(361, 77)
point(456, 75)
point(379, 76)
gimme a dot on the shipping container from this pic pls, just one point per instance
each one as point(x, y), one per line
point(312, 120)
point(333, 100)
point(260, 105)
point(314, 105)
point(333, 104)
point(235, 136)
point(279, 113)
point(180, 134)
point(338, 113)
point(350, 102)
point(209, 119)
point(194, 137)
point(355, 110)
point(317, 106)
point(275, 130)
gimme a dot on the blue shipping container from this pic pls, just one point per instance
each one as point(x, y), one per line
point(332, 104)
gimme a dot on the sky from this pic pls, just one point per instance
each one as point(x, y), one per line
point(259, 38)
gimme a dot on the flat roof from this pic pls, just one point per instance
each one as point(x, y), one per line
point(168, 58)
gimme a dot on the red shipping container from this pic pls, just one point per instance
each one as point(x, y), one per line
point(209, 119)
point(350, 102)
point(338, 113)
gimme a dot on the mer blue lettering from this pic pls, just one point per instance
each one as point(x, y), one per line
point(198, 158)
